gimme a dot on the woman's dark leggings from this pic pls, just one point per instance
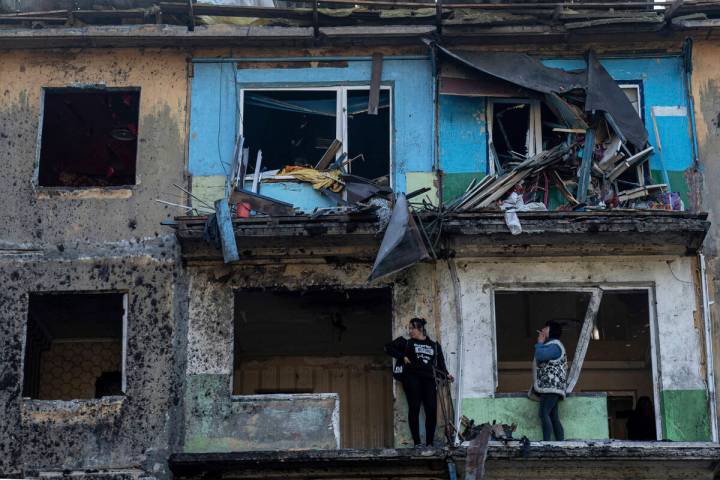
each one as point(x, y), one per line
point(421, 390)
point(549, 417)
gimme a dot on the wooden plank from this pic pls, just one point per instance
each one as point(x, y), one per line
point(569, 130)
point(502, 191)
point(563, 189)
point(256, 176)
point(227, 234)
point(329, 155)
point(584, 339)
point(627, 163)
point(375, 77)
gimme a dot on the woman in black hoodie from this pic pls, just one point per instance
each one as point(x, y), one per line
point(420, 358)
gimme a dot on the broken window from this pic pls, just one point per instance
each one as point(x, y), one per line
point(296, 127)
point(74, 345)
point(320, 341)
point(518, 129)
point(89, 137)
point(633, 177)
point(619, 357)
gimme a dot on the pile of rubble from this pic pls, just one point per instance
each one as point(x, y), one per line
point(599, 158)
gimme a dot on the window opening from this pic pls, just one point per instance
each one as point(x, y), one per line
point(619, 355)
point(74, 346)
point(292, 127)
point(515, 133)
point(89, 137)
point(369, 136)
point(295, 127)
point(635, 176)
point(320, 341)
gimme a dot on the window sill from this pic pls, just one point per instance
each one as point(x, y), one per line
point(269, 397)
point(35, 410)
point(569, 395)
point(84, 193)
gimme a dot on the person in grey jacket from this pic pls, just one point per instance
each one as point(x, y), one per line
point(550, 378)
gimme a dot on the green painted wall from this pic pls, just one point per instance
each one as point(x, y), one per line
point(455, 184)
point(685, 415)
point(217, 422)
point(583, 417)
point(678, 183)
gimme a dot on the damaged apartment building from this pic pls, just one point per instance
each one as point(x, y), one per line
point(216, 214)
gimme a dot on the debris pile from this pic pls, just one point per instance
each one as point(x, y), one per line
point(593, 154)
point(498, 431)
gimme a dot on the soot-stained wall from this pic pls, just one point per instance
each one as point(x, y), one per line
point(62, 240)
point(112, 433)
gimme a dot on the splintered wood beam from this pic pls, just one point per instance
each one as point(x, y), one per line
point(329, 155)
point(584, 339)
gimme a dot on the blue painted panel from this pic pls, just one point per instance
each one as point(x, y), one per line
point(413, 112)
point(300, 195)
point(212, 105)
point(463, 139)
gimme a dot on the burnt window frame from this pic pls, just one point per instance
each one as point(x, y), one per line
point(38, 144)
point(125, 294)
point(341, 120)
point(655, 358)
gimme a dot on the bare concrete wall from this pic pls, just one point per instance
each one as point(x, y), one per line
point(96, 241)
point(706, 92)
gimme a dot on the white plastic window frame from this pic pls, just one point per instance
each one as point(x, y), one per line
point(341, 120)
point(652, 319)
point(533, 139)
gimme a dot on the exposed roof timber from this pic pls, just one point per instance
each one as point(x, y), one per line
point(491, 23)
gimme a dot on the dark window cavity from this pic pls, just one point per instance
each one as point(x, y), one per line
point(320, 341)
point(296, 127)
point(89, 137)
point(74, 346)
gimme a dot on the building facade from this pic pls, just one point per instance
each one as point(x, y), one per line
point(132, 348)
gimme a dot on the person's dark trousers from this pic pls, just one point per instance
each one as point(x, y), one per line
point(421, 391)
point(549, 417)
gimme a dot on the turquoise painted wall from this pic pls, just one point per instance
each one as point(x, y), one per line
point(213, 119)
point(583, 417)
point(662, 83)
